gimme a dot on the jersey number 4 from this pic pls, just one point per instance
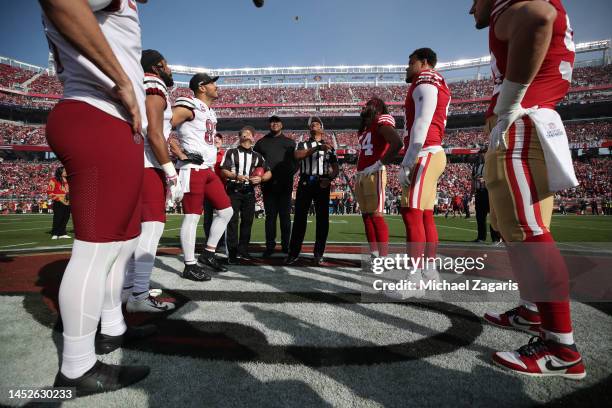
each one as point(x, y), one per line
point(366, 144)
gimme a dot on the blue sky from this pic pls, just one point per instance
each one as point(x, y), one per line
point(233, 33)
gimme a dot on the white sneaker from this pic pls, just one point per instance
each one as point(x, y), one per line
point(65, 236)
point(55, 237)
point(148, 305)
point(403, 294)
point(125, 293)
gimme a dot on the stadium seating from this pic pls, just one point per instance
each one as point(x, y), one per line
point(10, 76)
point(462, 92)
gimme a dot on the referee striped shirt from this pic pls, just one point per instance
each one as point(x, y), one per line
point(317, 164)
point(241, 161)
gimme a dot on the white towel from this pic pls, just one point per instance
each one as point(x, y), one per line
point(556, 149)
point(184, 177)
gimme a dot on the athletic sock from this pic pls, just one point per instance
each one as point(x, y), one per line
point(545, 272)
point(431, 234)
point(144, 257)
point(415, 231)
point(112, 323)
point(370, 231)
point(382, 234)
point(81, 296)
point(79, 354)
point(218, 226)
point(189, 229)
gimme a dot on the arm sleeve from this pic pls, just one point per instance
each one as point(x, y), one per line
point(425, 98)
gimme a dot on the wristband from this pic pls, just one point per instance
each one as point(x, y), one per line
point(510, 96)
point(169, 170)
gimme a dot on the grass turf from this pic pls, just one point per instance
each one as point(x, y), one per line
point(33, 231)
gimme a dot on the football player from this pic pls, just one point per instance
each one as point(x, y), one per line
point(532, 57)
point(159, 176)
point(196, 125)
point(426, 108)
point(379, 144)
point(95, 131)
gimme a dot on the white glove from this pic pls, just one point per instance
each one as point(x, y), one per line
point(508, 110)
point(372, 169)
point(497, 138)
point(174, 190)
point(404, 175)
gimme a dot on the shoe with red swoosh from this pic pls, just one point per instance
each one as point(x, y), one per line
point(519, 318)
point(543, 358)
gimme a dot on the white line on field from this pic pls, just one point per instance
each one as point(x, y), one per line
point(441, 226)
point(171, 229)
point(25, 229)
point(9, 246)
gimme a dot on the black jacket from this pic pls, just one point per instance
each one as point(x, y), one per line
point(278, 153)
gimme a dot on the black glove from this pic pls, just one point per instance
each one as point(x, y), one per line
point(195, 158)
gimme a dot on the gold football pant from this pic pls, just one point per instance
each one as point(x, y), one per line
point(421, 194)
point(517, 180)
point(370, 191)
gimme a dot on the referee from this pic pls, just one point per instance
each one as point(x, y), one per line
point(237, 168)
point(318, 167)
point(481, 201)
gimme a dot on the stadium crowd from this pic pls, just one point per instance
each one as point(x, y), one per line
point(594, 175)
point(320, 93)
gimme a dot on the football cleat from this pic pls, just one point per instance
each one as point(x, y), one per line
point(195, 273)
point(148, 305)
point(106, 344)
point(102, 378)
point(291, 260)
point(519, 318)
point(55, 237)
point(209, 259)
point(543, 358)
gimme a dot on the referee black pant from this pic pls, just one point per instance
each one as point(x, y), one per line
point(243, 204)
point(307, 192)
point(481, 202)
point(277, 203)
point(61, 215)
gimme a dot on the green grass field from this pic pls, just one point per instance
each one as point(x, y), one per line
point(33, 231)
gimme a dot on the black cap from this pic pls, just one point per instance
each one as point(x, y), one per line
point(149, 58)
point(275, 118)
point(201, 79)
point(315, 119)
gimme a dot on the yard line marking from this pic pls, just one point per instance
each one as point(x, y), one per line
point(457, 228)
point(24, 229)
point(171, 229)
point(441, 226)
point(15, 245)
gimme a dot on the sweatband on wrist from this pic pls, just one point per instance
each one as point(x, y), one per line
point(169, 170)
point(510, 96)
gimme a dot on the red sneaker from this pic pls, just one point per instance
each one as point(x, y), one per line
point(543, 358)
point(519, 318)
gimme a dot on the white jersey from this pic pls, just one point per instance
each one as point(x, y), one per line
point(154, 85)
point(82, 80)
point(198, 134)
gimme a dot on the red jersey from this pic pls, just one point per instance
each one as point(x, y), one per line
point(438, 122)
point(552, 81)
point(372, 145)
